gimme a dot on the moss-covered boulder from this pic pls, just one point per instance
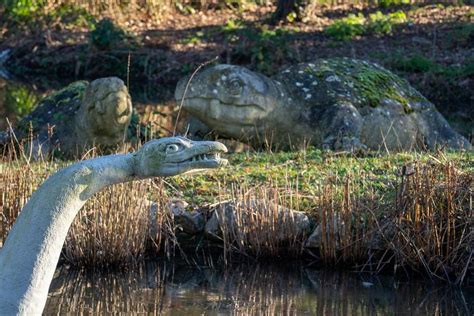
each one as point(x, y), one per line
point(340, 103)
point(77, 117)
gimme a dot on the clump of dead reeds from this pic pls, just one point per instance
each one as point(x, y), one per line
point(162, 227)
point(346, 209)
point(421, 220)
point(434, 212)
point(260, 222)
point(18, 179)
point(426, 226)
point(112, 227)
point(15, 190)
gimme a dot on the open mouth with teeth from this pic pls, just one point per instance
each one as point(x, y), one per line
point(205, 157)
point(178, 155)
point(207, 160)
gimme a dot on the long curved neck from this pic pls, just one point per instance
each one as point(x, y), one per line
point(30, 254)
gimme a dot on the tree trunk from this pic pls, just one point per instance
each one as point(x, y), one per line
point(284, 7)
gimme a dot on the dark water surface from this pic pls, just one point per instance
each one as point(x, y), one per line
point(255, 289)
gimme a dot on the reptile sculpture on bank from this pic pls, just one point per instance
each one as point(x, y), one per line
point(78, 117)
point(338, 103)
point(31, 251)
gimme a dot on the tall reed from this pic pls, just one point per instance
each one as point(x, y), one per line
point(112, 227)
point(346, 210)
point(434, 221)
point(421, 222)
point(259, 222)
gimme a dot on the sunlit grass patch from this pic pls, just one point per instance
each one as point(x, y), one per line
point(353, 25)
point(406, 210)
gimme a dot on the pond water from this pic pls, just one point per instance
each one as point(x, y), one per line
point(248, 289)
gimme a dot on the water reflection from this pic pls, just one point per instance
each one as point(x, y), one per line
point(162, 288)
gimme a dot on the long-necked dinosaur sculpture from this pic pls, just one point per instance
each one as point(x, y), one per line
point(31, 251)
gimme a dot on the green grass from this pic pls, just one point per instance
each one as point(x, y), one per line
point(389, 3)
point(356, 25)
point(262, 47)
point(421, 64)
point(303, 171)
point(19, 100)
point(34, 13)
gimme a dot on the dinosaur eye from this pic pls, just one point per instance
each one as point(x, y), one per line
point(235, 87)
point(172, 148)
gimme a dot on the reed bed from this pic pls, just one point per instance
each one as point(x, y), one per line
point(17, 183)
point(422, 223)
point(434, 221)
point(347, 214)
point(113, 224)
point(260, 221)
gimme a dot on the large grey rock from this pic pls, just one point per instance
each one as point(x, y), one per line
point(189, 222)
point(376, 238)
point(315, 240)
point(339, 103)
point(239, 220)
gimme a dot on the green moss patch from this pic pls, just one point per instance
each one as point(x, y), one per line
point(54, 109)
point(370, 82)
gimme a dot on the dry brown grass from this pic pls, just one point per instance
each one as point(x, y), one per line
point(260, 222)
point(434, 218)
point(112, 227)
point(424, 225)
point(426, 228)
point(347, 219)
point(17, 182)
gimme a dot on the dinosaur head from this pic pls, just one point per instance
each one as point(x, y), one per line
point(107, 110)
point(231, 99)
point(170, 156)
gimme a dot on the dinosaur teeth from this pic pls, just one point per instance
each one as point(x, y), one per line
point(205, 157)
